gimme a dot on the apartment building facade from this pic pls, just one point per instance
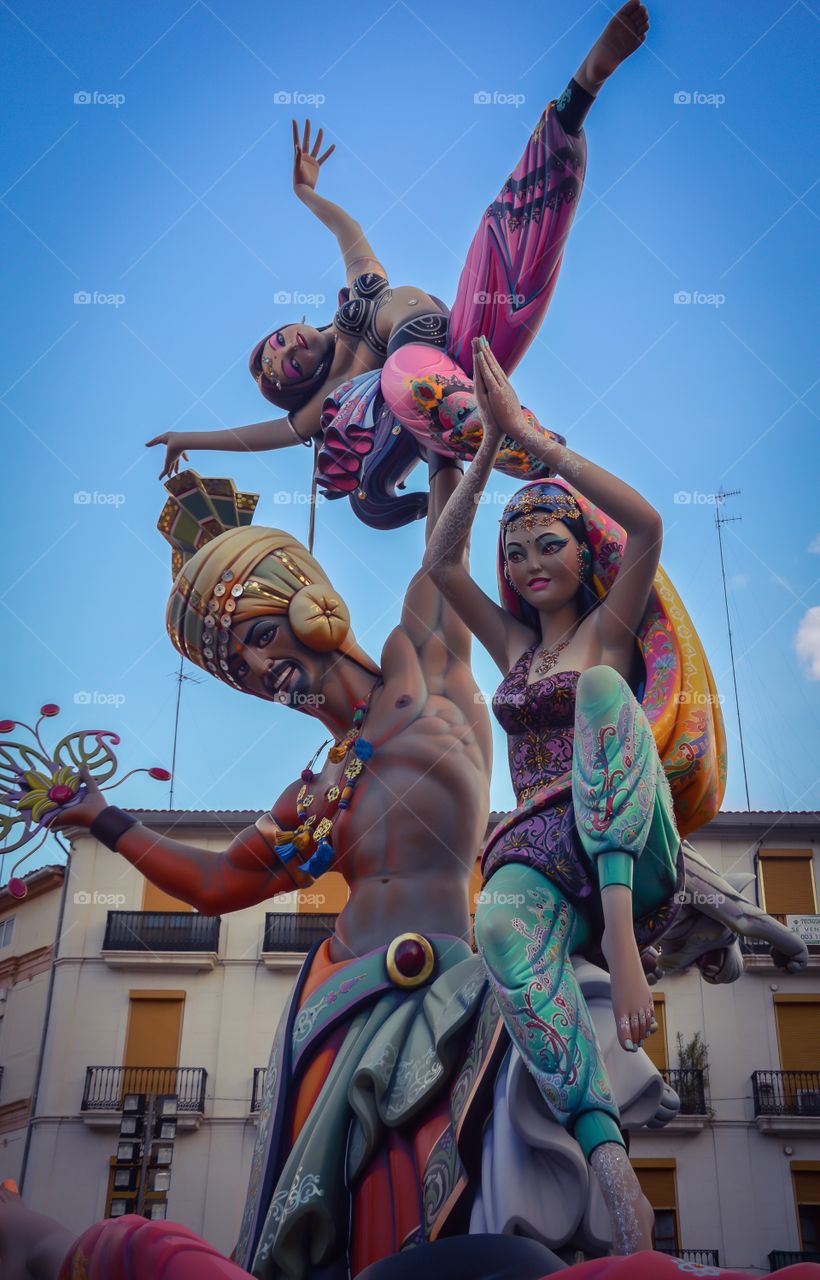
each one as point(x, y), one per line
point(128, 991)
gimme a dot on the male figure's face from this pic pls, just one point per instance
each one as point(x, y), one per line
point(267, 660)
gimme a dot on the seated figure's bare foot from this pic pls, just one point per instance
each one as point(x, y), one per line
point(632, 1001)
point(32, 1245)
point(630, 1213)
point(622, 35)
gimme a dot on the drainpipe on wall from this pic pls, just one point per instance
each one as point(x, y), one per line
point(46, 1019)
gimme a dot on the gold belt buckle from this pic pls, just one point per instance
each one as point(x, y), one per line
point(410, 960)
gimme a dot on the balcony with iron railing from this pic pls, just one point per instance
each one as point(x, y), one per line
point(786, 1101)
point(289, 935)
point(701, 1257)
point(779, 1258)
point(148, 939)
point(689, 1084)
point(105, 1088)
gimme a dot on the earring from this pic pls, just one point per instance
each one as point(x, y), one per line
point(583, 561)
point(509, 581)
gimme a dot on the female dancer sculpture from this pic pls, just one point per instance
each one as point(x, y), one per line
point(593, 851)
point(393, 358)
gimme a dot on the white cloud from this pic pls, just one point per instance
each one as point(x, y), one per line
point(807, 642)
point(814, 545)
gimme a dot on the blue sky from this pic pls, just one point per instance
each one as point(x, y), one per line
point(164, 193)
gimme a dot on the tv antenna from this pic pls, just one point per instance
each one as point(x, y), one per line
point(180, 677)
point(720, 520)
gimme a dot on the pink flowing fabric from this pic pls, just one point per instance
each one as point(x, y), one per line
point(512, 265)
point(132, 1248)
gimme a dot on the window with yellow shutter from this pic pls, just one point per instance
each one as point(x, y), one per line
point(806, 1178)
point(657, 1179)
point(787, 882)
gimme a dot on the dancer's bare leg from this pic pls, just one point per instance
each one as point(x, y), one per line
point(622, 35)
point(32, 1245)
point(630, 1213)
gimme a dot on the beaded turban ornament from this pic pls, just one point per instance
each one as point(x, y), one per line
point(226, 572)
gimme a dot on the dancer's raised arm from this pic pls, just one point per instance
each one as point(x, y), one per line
point(444, 558)
point(257, 437)
point(355, 249)
point(621, 613)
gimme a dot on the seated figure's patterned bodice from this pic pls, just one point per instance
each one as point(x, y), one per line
point(539, 720)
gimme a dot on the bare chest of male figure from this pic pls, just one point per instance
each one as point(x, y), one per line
point(409, 841)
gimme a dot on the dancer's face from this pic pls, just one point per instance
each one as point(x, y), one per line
point(292, 354)
point(267, 660)
point(543, 564)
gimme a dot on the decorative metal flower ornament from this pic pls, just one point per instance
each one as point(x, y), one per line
point(36, 784)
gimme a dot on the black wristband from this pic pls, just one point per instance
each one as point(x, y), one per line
point(110, 825)
point(572, 107)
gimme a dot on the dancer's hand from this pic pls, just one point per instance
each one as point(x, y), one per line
point(174, 442)
point(497, 402)
point(306, 163)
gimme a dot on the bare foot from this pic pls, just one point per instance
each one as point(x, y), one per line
point(630, 1213)
point(632, 1001)
point(622, 35)
point(32, 1246)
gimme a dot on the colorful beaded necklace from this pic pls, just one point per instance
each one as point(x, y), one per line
point(306, 833)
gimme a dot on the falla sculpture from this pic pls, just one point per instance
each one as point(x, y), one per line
point(432, 1106)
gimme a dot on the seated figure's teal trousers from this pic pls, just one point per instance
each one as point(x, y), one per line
point(526, 929)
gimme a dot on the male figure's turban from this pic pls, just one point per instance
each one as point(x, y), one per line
point(226, 571)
